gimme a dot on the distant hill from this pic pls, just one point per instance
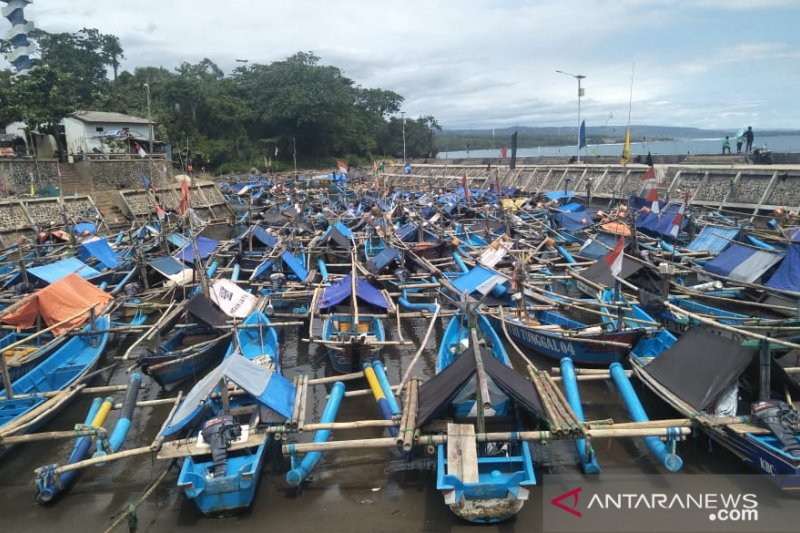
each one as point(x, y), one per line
point(529, 136)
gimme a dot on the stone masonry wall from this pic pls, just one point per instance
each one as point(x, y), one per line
point(127, 174)
point(15, 175)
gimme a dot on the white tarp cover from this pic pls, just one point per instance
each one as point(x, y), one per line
point(232, 299)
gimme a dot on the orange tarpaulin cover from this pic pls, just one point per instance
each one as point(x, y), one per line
point(617, 228)
point(56, 302)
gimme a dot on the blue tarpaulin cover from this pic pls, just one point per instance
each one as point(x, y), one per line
point(559, 195)
point(597, 246)
point(205, 247)
point(787, 277)
point(478, 279)
point(168, 266)
point(407, 232)
point(178, 240)
point(714, 239)
point(55, 271)
point(573, 221)
point(337, 293)
point(377, 263)
point(295, 265)
point(660, 223)
point(264, 237)
point(742, 263)
point(80, 227)
point(101, 250)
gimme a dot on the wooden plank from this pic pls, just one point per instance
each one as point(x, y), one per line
point(178, 449)
point(462, 452)
point(748, 428)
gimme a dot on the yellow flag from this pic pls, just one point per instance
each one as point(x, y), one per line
point(626, 150)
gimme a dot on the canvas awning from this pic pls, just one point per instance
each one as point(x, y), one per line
point(387, 255)
point(787, 276)
point(701, 366)
point(205, 247)
point(597, 246)
point(342, 289)
point(53, 272)
point(264, 385)
point(713, 239)
point(600, 272)
point(204, 310)
point(437, 393)
point(232, 299)
point(100, 250)
point(742, 263)
point(56, 302)
point(479, 279)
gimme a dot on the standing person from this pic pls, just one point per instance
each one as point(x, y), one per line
point(748, 136)
point(726, 145)
point(739, 141)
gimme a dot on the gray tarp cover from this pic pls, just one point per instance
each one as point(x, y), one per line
point(700, 366)
point(600, 273)
point(436, 394)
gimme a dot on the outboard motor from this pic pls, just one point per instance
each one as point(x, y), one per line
point(783, 420)
point(219, 432)
point(762, 156)
point(278, 280)
point(402, 274)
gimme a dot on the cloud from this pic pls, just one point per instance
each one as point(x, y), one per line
point(476, 63)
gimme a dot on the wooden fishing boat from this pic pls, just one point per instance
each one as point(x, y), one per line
point(67, 365)
point(26, 353)
point(223, 476)
point(480, 482)
point(187, 353)
point(709, 378)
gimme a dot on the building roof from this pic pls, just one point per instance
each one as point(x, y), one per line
point(107, 117)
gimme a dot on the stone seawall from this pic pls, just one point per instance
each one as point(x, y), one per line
point(737, 185)
point(206, 199)
point(24, 217)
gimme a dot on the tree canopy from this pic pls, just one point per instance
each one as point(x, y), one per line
point(258, 112)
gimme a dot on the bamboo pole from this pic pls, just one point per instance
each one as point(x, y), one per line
point(303, 402)
point(40, 412)
point(425, 440)
point(732, 329)
point(132, 509)
point(420, 349)
point(411, 420)
point(159, 440)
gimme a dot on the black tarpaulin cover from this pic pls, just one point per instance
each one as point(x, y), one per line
point(206, 312)
point(436, 394)
point(700, 366)
point(600, 273)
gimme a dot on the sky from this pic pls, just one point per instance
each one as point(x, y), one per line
point(492, 63)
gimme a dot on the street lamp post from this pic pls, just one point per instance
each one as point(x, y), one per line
point(149, 121)
point(578, 77)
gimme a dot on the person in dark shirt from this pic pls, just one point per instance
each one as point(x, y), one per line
point(748, 137)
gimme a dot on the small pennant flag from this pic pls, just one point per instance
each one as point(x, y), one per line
point(626, 150)
point(183, 205)
point(675, 227)
point(342, 166)
point(140, 150)
point(614, 258)
point(146, 182)
point(375, 166)
point(650, 174)
point(407, 168)
point(652, 197)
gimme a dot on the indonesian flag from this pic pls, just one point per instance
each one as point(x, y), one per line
point(466, 187)
point(342, 166)
point(140, 150)
point(652, 196)
point(183, 205)
point(650, 174)
point(614, 258)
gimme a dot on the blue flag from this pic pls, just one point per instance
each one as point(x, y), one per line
point(408, 168)
point(582, 135)
point(146, 182)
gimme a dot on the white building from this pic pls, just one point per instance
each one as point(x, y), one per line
point(90, 132)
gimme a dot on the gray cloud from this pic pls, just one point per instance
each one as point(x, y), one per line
point(484, 63)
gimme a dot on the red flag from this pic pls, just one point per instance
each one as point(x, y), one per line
point(466, 187)
point(184, 203)
point(652, 197)
point(140, 150)
point(503, 152)
point(342, 166)
point(650, 174)
point(614, 258)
